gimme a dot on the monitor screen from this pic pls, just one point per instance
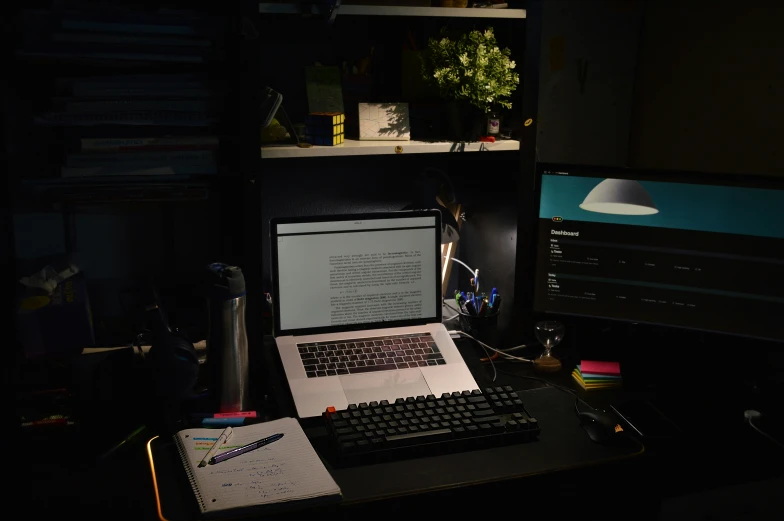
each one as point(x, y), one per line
point(693, 251)
point(359, 270)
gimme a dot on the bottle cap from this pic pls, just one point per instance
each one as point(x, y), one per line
point(226, 282)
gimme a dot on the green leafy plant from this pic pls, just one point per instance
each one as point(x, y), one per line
point(471, 68)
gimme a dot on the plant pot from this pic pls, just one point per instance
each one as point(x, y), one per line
point(462, 121)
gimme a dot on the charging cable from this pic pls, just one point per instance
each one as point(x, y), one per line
point(448, 305)
point(752, 415)
point(474, 272)
point(495, 372)
point(486, 347)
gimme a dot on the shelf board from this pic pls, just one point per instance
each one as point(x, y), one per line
point(97, 190)
point(392, 10)
point(376, 148)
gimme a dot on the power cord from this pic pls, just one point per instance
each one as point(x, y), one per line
point(474, 272)
point(447, 304)
point(502, 352)
point(752, 415)
point(486, 347)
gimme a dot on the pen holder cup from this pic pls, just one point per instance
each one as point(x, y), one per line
point(482, 327)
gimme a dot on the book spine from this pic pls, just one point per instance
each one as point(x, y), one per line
point(150, 168)
point(154, 118)
point(189, 472)
point(100, 26)
point(99, 171)
point(87, 107)
point(189, 157)
point(129, 39)
point(148, 144)
point(139, 91)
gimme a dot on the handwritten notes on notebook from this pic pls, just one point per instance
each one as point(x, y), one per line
point(287, 471)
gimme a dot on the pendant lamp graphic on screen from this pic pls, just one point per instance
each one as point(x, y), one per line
point(619, 197)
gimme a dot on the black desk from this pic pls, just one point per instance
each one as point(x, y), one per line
point(548, 476)
point(563, 462)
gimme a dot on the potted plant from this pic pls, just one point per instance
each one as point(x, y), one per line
point(474, 74)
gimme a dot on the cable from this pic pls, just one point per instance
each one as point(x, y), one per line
point(483, 345)
point(474, 272)
point(490, 347)
point(516, 348)
point(750, 416)
point(502, 352)
point(446, 303)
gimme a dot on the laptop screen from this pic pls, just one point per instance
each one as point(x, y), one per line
point(361, 270)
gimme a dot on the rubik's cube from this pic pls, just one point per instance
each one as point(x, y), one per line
point(325, 128)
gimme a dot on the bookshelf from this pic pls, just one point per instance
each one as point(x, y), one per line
point(353, 147)
point(126, 153)
point(222, 215)
point(335, 179)
point(391, 10)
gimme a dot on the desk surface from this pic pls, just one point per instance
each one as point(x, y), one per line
point(121, 486)
point(562, 446)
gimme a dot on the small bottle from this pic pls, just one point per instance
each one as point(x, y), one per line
point(493, 123)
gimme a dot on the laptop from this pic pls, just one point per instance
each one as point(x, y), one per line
point(357, 309)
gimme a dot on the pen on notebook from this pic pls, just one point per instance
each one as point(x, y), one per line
point(245, 448)
point(223, 438)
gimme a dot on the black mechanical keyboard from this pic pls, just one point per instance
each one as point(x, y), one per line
point(426, 425)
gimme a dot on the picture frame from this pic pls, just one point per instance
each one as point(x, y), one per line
point(384, 122)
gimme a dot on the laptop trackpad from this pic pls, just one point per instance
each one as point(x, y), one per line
point(384, 385)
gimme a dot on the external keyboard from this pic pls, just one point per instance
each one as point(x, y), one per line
point(427, 425)
point(365, 355)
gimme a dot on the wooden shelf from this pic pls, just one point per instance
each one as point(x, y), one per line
point(391, 10)
point(377, 148)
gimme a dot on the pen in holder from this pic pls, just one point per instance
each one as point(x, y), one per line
point(481, 327)
point(478, 314)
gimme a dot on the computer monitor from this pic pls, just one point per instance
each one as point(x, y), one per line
point(686, 250)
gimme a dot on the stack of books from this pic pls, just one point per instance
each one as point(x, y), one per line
point(593, 375)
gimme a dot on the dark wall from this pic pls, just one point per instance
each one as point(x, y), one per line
point(485, 184)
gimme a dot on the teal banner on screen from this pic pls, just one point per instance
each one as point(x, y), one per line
point(708, 208)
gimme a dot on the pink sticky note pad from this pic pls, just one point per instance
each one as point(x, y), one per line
point(596, 367)
point(243, 414)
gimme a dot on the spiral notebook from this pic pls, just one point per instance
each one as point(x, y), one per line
point(285, 474)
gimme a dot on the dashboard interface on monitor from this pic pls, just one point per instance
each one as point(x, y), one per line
point(703, 254)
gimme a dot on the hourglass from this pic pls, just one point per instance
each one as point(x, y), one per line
point(550, 334)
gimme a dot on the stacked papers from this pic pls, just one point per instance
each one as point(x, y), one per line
point(591, 375)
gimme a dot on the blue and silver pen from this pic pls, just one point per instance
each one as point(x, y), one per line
point(245, 448)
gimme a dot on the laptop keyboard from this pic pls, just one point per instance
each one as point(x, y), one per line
point(365, 355)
